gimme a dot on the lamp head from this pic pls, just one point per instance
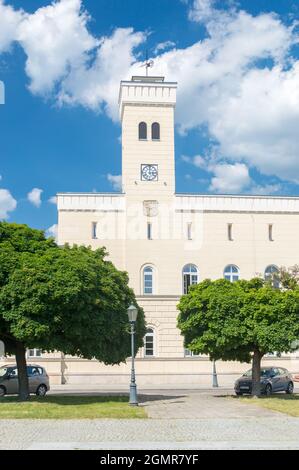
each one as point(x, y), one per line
point(132, 313)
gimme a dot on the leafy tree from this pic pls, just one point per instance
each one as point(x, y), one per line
point(239, 321)
point(67, 299)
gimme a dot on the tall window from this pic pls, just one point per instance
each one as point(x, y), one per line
point(189, 231)
point(231, 273)
point(190, 277)
point(271, 275)
point(270, 232)
point(94, 227)
point(155, 131)
point(149, 231)
point(148, 278)
point(149, 343)
point(142, 131)
point(230, 232)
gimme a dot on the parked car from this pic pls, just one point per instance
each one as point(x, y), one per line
point(273, 379)
point(37, 377)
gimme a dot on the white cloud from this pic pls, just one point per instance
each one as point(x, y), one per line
point(115, 181)
point(7, 203)
point(197, 161)
point(265, 189)
point(52, 231)
point(9, 22)
point(240, 82)
point(163, 45)
point(53, 200)
point(34, 196)
point(230, 178)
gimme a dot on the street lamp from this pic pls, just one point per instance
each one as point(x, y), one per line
point(132, 314)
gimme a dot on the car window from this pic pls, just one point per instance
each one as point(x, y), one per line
point(32, 371)
point(265, 372)
point(3, 371)
point(282, 371)
point(275, 371)
point(13, 372)
point(40, 371)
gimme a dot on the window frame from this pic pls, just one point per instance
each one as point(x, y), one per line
point(231, 274)
point(149, 273)
point(152, 335)
point(191, 274)
point(155, 129)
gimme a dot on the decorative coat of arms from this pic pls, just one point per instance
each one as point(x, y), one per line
point(150, 208)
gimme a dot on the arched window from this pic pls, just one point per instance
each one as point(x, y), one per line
point(190, 277)
point(149, 350)
point(142, 131)
point(231, 273)
point(271, 275)
point(155, 131)
point(148, 278)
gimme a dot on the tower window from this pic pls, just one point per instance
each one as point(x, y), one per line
point(272, 275)
point(230, 232)
point(142, 131)
point(149, 231)
point(270, 232)
point(155, 131)
point(190, 277)
point(94, 229)
point(148, 280)
point(149, 343)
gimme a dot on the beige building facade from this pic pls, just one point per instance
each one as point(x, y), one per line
point(168, 241)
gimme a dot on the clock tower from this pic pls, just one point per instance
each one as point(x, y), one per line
point(147, 115)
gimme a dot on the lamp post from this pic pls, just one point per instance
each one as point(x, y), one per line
point(215, 380)
point(132, 314)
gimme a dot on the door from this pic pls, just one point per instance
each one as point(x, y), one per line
point(12, 384)
point(275, 379)
point(33, 378)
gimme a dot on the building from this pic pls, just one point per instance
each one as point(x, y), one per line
point(167, 241)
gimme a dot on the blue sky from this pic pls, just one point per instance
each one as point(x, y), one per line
point(237, 66)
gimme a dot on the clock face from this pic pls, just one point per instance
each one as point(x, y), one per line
point(149, 172)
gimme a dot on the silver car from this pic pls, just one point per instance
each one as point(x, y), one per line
point(37, 377)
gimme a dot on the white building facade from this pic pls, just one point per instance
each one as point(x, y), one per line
point(168, 241)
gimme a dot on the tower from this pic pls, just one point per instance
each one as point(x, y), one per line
point(146, 107)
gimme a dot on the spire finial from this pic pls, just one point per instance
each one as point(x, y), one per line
point(148, 63)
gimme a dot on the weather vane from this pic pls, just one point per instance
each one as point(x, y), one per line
point(147, 64)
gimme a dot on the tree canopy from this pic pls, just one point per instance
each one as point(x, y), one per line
point(69, 299)
point(239, 321)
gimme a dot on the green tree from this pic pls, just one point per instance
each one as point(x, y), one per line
point(67, 299)
point(239, 321)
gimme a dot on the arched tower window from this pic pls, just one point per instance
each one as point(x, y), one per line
point(190, 277)
point(155, 131)
point(149, 343)
point(142, 131)
point(148, 280)
point(271, 275)
point(231, 273)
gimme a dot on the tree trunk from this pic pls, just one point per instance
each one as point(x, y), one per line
point(22, 372)
point(256, 373)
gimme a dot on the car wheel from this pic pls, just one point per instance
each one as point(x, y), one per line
point(290, 388)
point(268, 390)
point(2, 391)
point(41, 390)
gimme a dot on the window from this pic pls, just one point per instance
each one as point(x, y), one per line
point(270, 232)
point(190, 277)
point(231, 273)
point(148, 280)
point(149, 231)
point(188, 353)
point(189, 231)
point(155, 131)
point(142, 131)
point(271, 275)
point(34, 353)
point(230, 232)
point(149, 343)
point(94, 227)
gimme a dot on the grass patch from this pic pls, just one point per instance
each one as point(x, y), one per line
point(288, 404)
point(70, 407)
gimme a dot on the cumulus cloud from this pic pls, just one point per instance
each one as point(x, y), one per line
point(115, 181)
point(230, 178)
point(52, 231)
point(163, 45)
point(7, 203)
point(53, 200)
point(240, 83)
point(34, 196)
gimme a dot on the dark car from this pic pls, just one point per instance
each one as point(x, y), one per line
point(273, 379)
point(37, 377)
